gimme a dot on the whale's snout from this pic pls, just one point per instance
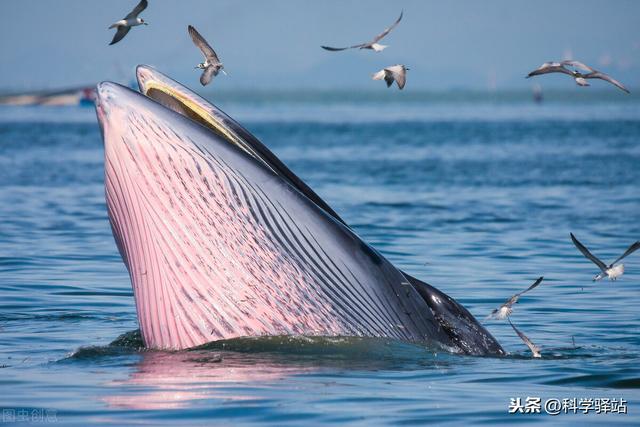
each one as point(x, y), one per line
point(106, 95)
point(101, 104)
point(111, 102)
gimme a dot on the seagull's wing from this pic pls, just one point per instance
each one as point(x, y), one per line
point(578, 64)
point(335, 49)
point(119, 35)
point(399, 73)
point(629, 251)
point(514, 298)
point(534, 348)
point(536, 283)
point(605, 77)
point(208, 74)
point(601, 265)
point(137, 10)
point(550, 67)
point(387, 30)
point(202, 44)
point(388, 78)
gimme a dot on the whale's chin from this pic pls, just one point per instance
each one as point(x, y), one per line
point(222, 240)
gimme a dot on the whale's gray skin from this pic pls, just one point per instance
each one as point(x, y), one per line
point(222, 240)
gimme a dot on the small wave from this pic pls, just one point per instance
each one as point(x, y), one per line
point(615, 381)
point(127, 343)
point(53, 317)
point(344, 348)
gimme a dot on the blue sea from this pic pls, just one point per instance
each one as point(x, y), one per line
point(475, 193)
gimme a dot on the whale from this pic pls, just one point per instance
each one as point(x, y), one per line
point(222, 240)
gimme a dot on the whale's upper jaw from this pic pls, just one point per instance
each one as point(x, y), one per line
point(170, 226)
point(172, 95)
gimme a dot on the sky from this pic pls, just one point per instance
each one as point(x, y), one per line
point(269, 44)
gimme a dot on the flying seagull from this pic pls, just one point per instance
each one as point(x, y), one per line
point(535, 350)
point(373, 44)
point(211, 65)
point(505, 309)
point(612, 271)
point(579, 77)
point(397, 73)
point(131, 20)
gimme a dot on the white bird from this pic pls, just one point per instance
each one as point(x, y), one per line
point(612, 271)
point(211, 65)
point(373, 44)
point(506, 309)
point(579, 77)
point(397, 73)
point(131, 20)
point(535, 350)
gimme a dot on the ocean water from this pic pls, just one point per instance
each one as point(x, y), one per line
point(474, 194)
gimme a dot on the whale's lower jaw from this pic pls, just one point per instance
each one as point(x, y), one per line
point(211, 257)
point(219, 246)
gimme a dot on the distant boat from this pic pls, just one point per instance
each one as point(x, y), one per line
point(79, 95)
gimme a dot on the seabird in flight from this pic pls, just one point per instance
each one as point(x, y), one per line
point(397, 73)
point(211, 65)
point(373, 44)
point(579, 77)
point(131, 20)
point(612, 271)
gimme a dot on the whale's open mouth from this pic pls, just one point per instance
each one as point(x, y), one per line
point(222, 240)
